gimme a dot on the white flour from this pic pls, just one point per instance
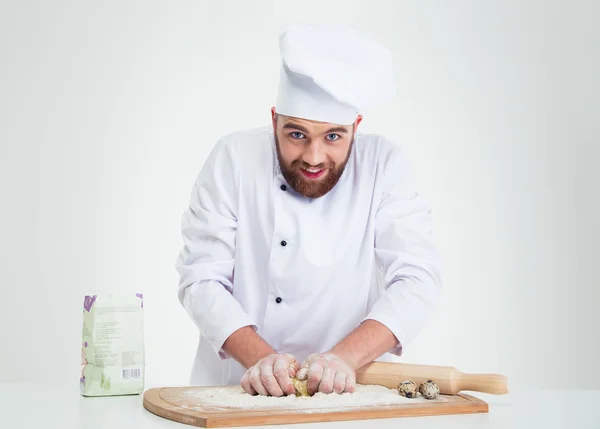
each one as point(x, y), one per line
point(231, 397)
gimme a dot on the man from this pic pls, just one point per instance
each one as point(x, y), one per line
point(307, 252)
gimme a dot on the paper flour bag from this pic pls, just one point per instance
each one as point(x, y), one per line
point(112, 351)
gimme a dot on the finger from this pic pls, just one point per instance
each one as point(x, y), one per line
point(304, 368)
point(268, 379)
point(350, 384)
point(339, 382)
point(256, 383)
point(302, 373)
point(281, 373)
point(293, 367)
point(315, 374)
point(245, 383)
point(326, 385)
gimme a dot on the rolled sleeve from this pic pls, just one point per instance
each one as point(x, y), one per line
point(206, 261)
point(406, 256)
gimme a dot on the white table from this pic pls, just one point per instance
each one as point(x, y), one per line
point(34, 406)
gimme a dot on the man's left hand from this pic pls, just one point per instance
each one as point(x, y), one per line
point(327, 373)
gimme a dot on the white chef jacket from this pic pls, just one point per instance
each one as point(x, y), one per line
point(303, 272)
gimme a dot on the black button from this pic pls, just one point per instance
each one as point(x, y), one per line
point(284, 243)
point(278, 300)
point(283, 187)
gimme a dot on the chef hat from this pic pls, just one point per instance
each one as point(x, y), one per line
point(329, 73)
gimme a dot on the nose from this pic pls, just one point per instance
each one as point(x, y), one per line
point(314, 154)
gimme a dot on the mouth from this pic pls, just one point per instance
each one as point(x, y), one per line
point(312, 173)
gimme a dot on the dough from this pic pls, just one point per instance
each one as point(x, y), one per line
point(408, 389)
point(429, 389)
point(301, 387)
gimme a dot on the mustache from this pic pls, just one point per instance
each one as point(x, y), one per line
point(302, 164)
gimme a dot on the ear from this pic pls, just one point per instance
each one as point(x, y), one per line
point(274, 118)
point(356, 123)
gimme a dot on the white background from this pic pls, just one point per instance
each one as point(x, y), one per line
point(108, 110)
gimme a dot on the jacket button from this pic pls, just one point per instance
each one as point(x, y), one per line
point(278, 300)
point(283, 187)
point(284, 243)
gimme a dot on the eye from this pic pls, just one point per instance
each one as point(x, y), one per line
point(297, 135)
point(332, 137)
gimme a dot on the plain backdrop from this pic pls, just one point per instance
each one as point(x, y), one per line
point(109, 109)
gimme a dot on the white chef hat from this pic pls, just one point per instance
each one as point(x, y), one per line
point(329, 73)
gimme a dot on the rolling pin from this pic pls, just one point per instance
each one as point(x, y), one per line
point(449, 379)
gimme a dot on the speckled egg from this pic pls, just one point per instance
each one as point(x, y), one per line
point(408, 389)
point(429, 389)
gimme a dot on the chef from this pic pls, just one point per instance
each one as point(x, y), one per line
point(308, 252)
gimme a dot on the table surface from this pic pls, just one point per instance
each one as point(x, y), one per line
point(49, 406)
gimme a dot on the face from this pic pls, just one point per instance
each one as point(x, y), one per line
point(312, 155)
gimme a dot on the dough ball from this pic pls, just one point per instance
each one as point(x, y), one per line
point(429, 389)
point(301, 387)
point(408, 389)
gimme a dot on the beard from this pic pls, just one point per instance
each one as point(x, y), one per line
point(311, 188)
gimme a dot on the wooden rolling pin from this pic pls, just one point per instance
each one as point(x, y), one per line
point(449, 379)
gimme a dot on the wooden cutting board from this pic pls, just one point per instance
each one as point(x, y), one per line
point(178, 404)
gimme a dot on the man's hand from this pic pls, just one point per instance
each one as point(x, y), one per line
point(327, 373)
point(271, 376)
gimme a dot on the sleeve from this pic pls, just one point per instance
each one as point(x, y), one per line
point(406, 256)
point(206, 261)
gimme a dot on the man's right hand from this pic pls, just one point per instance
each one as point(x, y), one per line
point(271, 376)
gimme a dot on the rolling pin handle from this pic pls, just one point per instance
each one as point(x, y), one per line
point(486, 383)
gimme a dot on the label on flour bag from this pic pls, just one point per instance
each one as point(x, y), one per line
point(112, 349)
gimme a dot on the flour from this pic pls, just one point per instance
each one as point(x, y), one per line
point(228, 398)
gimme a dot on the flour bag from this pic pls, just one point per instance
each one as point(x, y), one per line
point(112, 350)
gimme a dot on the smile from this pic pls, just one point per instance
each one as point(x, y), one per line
point(312, 173)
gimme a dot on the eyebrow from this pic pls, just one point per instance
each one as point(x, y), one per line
point(293, 126)
point(337, 130)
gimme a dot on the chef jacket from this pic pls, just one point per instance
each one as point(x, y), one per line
point(303, 272)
